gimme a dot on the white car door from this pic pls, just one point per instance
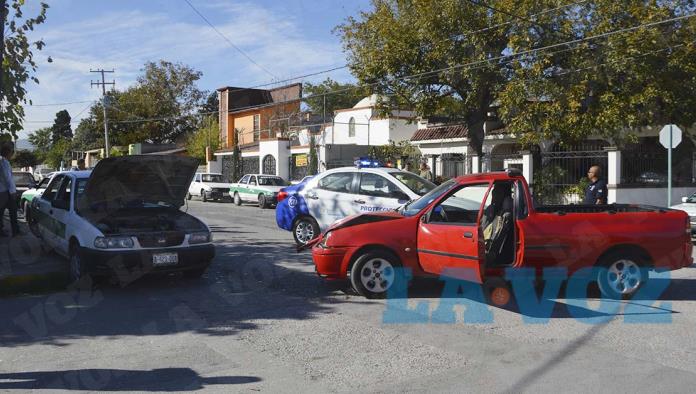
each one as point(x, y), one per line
point(250, 189)
point(44, 211)
point(196, 186)
point(378, 193)
point(60, 212)
point(333, 198)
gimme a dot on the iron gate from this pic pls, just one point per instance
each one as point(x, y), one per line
point(454, 165)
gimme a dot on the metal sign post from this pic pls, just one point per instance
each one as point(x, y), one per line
point(670, 137)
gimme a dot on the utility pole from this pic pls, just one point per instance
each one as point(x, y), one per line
point(103, 84)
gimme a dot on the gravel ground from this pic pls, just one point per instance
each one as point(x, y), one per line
point(260, 320)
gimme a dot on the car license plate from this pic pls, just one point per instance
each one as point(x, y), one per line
point(160, 259)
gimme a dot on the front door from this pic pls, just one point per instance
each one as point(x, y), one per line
point(44, 211)
point(60, 214)
point(449, 240)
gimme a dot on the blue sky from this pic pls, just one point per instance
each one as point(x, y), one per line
point(286, 37)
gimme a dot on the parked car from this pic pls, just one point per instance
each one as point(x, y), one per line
point(310, 207)
point(259, 188)
point(124, 218)
point(24, 181)
point(688, 205)
point(482, 224)
point(208, 186)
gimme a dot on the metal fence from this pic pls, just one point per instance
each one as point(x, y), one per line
point(454, 165)
point(560, 176)
point(644, 164)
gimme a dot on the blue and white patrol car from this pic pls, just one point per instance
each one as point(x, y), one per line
point(311, 206)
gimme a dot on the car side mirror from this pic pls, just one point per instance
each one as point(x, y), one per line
point(685, 199)
point(60, 204)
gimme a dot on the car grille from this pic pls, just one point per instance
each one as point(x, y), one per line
point(160, 240)
point(221, 190)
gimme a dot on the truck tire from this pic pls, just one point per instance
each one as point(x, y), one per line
point(619, 276)
point(263, 204)
point(304, 230)
point(203, 197)
point(237, 199)
point(374, 273)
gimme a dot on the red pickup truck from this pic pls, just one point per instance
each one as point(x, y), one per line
point(486, 223)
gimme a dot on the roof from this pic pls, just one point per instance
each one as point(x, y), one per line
point(241, 99)
point(441, 132)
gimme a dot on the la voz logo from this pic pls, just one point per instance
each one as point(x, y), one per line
point(534, 309)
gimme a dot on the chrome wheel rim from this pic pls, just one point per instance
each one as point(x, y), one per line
point(304, 231)
point(377, 275)
point(624, 276)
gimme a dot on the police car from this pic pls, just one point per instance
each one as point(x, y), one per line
point(123, 218)
point(311, 206)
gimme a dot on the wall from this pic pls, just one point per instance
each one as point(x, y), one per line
point(215, 166)
point(339, 128)
point(280, 151)
point(650, 195)
point(245, 125)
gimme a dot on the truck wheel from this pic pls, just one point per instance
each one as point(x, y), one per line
point(203, 196)
point(620, 277)
point(262, 201)
point(237, 199)
point(374, 273)
point(304, 230)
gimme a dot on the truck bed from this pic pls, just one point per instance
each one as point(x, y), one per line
point(609, 208)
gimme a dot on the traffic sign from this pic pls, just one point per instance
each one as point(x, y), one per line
point(676, 136)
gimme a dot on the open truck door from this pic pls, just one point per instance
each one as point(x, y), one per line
point(450, 239)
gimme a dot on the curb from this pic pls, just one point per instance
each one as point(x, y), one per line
point(34, 283)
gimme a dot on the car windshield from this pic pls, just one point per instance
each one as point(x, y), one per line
point(212, 178)
point(417, 184)
point(271, 181)
point(22, 179)
point(417, 205)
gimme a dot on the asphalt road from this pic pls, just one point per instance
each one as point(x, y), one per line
point(260, 320)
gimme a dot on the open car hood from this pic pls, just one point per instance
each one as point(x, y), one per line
point(119, 181)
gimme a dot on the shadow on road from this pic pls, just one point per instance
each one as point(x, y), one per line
point(164, 379)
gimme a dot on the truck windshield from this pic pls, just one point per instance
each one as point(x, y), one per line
point(417, 205)
point(212, 178)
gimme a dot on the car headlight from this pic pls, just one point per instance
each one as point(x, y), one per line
point(325, 240)
point(200, 238)
point(113, 242)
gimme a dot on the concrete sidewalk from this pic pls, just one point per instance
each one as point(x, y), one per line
point(25, 267)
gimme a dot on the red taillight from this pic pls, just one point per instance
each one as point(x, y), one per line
point(282, 196)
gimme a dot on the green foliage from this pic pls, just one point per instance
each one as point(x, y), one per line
point(17, 63)
point(24, 158)
point(349, 96)
point(41, 139)
point(393, 152)
point(199, 140)
point(165, 91)
point(313, 165)
point(59, 153)
point(117, 152)
point(61, 129)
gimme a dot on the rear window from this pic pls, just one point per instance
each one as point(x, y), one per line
point(22, 179)
point(337, 182)
point(271, 181)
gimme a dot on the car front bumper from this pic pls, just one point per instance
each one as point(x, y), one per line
point(216, 195)
point(331, 263)
point(127, 263)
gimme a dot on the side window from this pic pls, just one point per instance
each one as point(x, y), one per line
point(252, 180)
point(43, 183)
point(377, 186)
point(245, 179)
point(50, 192)
point(65, 190)
point(340, 182)
point(198, 177)
point(462, 207)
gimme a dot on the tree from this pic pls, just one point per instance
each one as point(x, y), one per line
point(17, 62)
point(350, 94)
point(607, 87)
point(313, 165)
point(24, 158)
point(41, 139)
point(88, 135)
point(396, 39)
point(237, 165)
point(61, 129)
point(198, 141)
point(58, 154)
point(211, 105)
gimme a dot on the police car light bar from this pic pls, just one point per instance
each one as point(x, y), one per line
point(367, 162)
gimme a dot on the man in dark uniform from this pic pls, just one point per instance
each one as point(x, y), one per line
point(596, 192)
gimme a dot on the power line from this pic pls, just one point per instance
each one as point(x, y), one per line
point(59, 104)
point(103, 84)
point(228, 40)
point(455, 67)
